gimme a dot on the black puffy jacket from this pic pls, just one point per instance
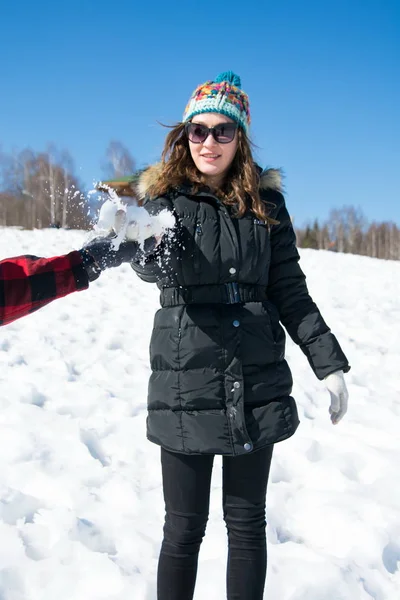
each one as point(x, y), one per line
point(220, 383)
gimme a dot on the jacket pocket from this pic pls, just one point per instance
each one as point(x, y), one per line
point(262, 242)
point(277, 331)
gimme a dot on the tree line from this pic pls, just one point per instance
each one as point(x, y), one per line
point(347, 230)
point(41, 189)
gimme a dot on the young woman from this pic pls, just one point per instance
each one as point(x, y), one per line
point(220, 383)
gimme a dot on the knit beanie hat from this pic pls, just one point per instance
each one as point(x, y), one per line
point(224, 96)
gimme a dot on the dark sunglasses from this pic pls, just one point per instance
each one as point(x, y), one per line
point(222, 133)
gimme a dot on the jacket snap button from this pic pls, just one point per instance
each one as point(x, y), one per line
point(248, 447)
point(232, 270)
point(236, 385)
point(236, 323)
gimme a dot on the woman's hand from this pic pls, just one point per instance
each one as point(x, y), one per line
point(336, 386)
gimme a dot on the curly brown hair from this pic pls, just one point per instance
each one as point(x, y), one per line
point(241, 186)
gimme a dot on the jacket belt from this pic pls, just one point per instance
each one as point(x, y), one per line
point(225, 293)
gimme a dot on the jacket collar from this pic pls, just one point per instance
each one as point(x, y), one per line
point(270, 179)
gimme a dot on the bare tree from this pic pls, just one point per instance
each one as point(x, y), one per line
point(119, 161)
point(347, 231)
point(41, 190)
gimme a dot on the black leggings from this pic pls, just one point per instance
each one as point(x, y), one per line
point(186, 483)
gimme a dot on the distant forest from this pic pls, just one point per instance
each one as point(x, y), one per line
point(347, 230)
point(41, 189)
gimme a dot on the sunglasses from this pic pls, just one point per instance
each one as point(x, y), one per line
point(222, 133)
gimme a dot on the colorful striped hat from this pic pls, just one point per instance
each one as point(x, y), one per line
point(224, 96)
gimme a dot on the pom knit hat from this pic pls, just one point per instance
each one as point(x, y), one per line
point(224, 96)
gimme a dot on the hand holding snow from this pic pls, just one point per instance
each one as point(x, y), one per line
point(336, 386)
point(140, 225)
point(132, 223)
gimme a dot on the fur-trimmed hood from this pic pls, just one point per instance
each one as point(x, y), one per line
point(269, 179)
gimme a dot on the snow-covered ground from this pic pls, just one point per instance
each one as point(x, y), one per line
point(81, 507)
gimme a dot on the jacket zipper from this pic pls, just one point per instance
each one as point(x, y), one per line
point(198, 232)
point(197, 235)
point(240, 424)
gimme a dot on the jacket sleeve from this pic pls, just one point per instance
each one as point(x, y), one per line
point(27, 282)
point(287, 290)
point(148, 265)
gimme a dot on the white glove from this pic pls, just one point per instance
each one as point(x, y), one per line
point(336, 386)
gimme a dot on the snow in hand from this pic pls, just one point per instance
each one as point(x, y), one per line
point(81, 504)
point(131, 222)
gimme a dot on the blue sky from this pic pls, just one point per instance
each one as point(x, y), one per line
point(323, 80)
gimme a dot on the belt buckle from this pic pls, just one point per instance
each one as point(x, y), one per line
point(232, 290)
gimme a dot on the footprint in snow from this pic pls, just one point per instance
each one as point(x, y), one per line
point(92, 443)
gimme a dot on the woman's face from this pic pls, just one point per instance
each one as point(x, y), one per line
point(211, 158)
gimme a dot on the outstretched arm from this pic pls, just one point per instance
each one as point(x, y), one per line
point(28, 282)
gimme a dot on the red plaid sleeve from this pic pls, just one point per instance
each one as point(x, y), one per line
point(27, 282)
